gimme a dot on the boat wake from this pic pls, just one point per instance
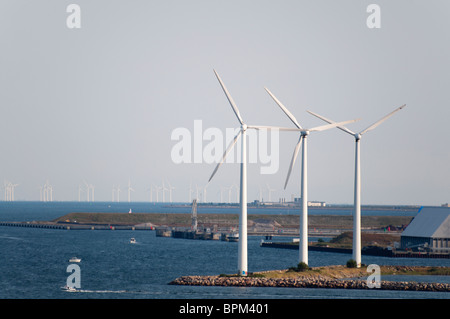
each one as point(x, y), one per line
point(96, 291)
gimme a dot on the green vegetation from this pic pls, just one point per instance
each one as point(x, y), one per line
point(300, 267)
point(341, 271)
point(184, 219)
point(351, 263)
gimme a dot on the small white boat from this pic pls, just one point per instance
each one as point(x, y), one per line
point(67, 288)
point(234, 237)
point(74, 260)
point(132, 241)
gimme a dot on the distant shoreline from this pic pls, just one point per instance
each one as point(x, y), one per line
point(276, 224)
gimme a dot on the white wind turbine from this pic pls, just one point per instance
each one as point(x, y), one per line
point(170, 189)
point(47, 192)
point(303, 245)
point(242, 247)
point(118, 193)
point(89, 191)
point(9, 191)
point(164, 189)
point(150, 190)
point(130, 189)
point(92, 188)
point(357, 192)
point(157, 188)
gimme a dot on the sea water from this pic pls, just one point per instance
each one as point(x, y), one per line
point(34, 262)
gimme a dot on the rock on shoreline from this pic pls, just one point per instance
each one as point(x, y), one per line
point(308, 282)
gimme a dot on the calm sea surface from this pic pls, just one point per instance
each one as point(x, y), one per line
point(34, 261)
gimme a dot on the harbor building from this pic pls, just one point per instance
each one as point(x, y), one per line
point(428, 231)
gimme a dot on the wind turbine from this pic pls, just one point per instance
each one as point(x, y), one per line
point(157, 188)
point(302, 141)
point(164, 189)
point(151, 193)
point(170, 191)
point(92, 188)
point(130, 189)
point(48, 192)
point(118, 193)
point(87, 190)
point(9, 191)
point(357, 194)
point(242, 247)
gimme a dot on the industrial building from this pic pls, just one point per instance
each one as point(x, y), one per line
point(428, 231)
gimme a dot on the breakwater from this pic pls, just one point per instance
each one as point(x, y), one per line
point(73, 226)
point(305, 282)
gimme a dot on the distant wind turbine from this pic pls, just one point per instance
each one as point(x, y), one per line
point(9, 191)
point(89, 192)
point(357, 191)
point(170, 191)
point(130, 189)
point(303, 245)
point(157, 188)
point(118, 193)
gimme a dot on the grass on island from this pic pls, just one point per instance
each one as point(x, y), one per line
point(340, 271)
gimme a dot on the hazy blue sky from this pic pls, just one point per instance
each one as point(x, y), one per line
point(99, 103)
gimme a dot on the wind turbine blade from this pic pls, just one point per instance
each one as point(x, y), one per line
point(374, 125)
point(332, 125)
point(294, 157)
point(225, 154)
point(259, 127)
point(343, 128)
point(285, 110)
point(230, 99)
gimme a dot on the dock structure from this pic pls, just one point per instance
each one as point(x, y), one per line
point(202, 234)
point(368, 250)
